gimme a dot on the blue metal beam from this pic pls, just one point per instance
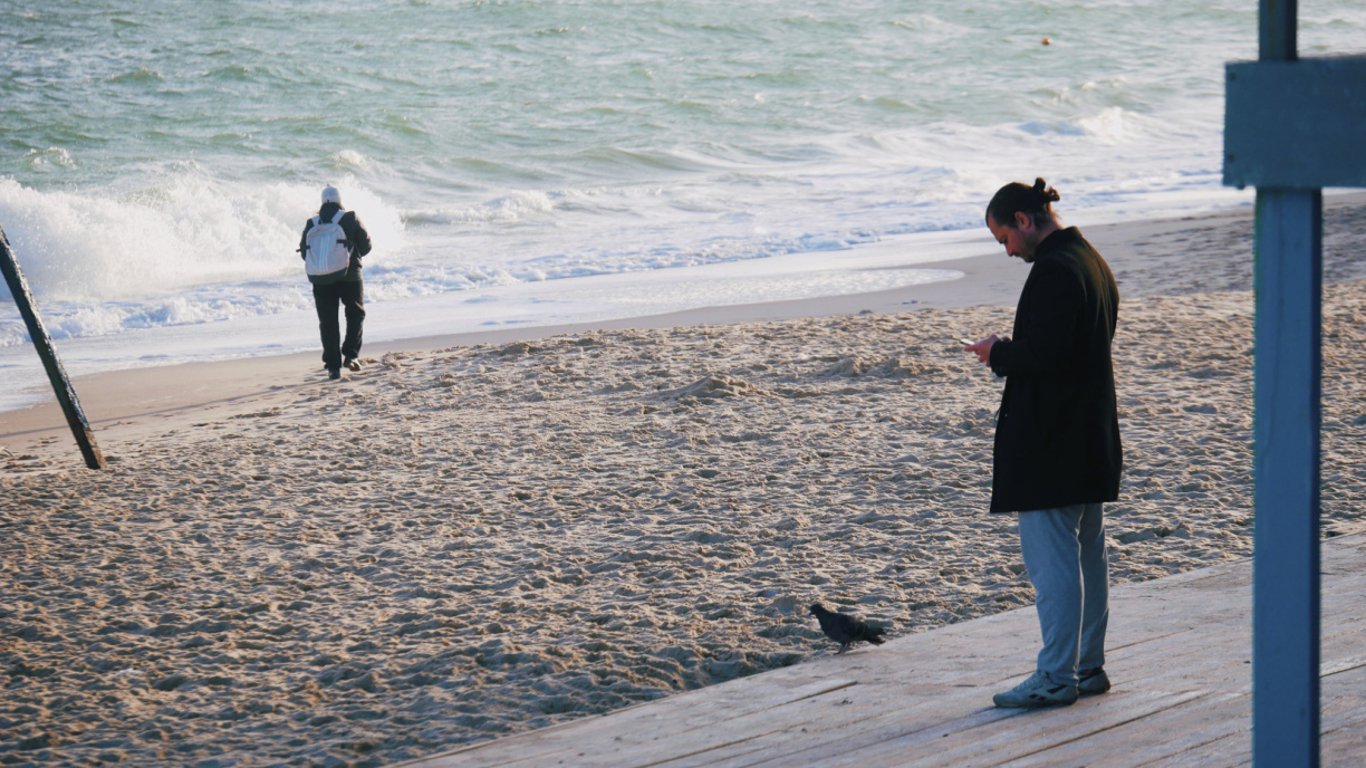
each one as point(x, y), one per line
point(1285, 568)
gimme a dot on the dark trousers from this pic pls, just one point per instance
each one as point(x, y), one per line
point(351, 294)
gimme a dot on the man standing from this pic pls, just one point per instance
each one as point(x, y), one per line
point(1057, 453)
point(343, 286)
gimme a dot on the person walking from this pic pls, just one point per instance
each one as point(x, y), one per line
point(1057, 454)
point(336, 278)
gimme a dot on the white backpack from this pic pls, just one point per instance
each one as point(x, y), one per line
point(327, 256)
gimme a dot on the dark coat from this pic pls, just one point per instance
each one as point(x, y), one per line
point(1057, 435)
point(356, 237)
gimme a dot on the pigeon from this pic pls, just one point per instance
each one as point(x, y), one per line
point(846, 630)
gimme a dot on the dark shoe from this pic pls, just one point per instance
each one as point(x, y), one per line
point(1092, 682)
point(1037, 691)
point(334, 373)
point(352, 364)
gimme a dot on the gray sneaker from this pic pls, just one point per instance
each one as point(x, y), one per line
point(1092, 682)
point(1037, 691)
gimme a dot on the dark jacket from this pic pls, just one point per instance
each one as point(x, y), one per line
point(1057, 435)
point(358, 240)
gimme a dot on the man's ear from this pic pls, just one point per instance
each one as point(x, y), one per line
point(1023, 221)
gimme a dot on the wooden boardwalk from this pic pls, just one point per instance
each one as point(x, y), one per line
point(1179, 656)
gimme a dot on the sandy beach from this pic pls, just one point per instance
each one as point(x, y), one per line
point(481, 535)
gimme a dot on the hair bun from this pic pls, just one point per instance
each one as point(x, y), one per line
point(1048, 193)
point(1018, 197)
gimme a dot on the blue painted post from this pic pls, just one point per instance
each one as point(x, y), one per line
point(1285, 569)
point(1285, 645)
point(1277, 30)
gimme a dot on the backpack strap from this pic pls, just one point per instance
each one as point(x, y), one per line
point(336, 219)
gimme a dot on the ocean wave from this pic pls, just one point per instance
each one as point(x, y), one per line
point(506, 209)
point(616, 159)
point(399, 280)
point(173, 230)
point(74, 320)
point(1111, 125)
point(139, 76)
point(350, 160)
point(42, 160)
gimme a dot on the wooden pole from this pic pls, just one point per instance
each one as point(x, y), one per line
point(61, 384)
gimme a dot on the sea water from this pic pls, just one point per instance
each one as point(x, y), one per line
point(532, 162)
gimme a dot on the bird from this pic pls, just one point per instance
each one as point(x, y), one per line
point(846, 630)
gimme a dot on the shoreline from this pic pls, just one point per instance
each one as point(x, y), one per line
point(1144, 255)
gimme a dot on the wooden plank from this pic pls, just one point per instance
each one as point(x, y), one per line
point(1018, 736)
point(1343, 743)
point(704, 734)
point(851, 723)
point(1344, 715)
point(1229, 749)
point(1165, 735)
point(1174, 657)
point(626, 729)
point(1173, 653)
point(827, 748)
point(1182, 694)
point(695, 740)
point(963, 667)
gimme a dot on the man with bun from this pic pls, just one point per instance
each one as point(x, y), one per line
point(1057, 452)
point(347, 289)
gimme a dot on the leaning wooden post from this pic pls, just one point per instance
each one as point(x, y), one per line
point(66, 394)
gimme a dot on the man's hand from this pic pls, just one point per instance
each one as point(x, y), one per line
point(983, 348)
